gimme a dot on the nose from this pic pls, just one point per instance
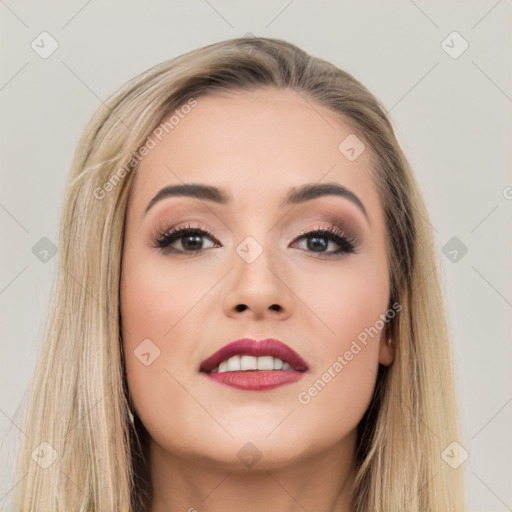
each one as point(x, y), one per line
point(258, 289)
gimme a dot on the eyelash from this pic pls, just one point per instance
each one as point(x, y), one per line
point(348, 243)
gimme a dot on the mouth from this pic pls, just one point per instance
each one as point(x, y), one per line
point(254, 365)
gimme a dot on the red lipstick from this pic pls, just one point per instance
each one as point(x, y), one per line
point(290, 370)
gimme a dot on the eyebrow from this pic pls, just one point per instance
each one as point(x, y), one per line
point(295, 196)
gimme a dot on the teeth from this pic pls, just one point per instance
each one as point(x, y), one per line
point(243, 363)
point(232, 364)
point(265, 363)
point(248, 363)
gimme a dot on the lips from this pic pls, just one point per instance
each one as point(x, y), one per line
point(252, 372)
point(257, 348)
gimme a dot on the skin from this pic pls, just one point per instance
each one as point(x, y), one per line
point(257, 145)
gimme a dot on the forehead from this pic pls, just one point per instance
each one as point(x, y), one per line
point(258, 144)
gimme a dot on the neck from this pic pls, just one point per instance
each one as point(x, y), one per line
point(322, 482)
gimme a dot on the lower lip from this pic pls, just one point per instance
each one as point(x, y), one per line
point(256, 380)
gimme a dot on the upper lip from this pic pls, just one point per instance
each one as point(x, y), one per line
point(254, 347)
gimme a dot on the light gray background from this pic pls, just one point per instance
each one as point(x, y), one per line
point(452, 117)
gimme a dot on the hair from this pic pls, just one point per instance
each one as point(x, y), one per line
point(78, 399)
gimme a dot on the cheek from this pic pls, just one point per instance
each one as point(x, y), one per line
point(153, 299)
point(347, 303)
point(348, 306)
point(158, 320)
point(147, 315)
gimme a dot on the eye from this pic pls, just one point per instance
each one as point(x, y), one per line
point(190, 240)
point(187, 237)
point(318, 241)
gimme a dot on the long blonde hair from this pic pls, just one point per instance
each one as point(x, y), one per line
point(78, 401)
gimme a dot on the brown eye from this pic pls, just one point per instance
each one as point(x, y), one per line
point(190, 239)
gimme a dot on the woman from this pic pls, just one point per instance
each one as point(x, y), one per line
point(248, 312)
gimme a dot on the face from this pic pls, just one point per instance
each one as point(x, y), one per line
point(312, 274)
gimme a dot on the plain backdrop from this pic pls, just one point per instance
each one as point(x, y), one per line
point(450, 106)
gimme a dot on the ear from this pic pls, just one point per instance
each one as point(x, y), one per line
point(387, 346)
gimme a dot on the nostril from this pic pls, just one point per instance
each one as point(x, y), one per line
point(243, 307)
